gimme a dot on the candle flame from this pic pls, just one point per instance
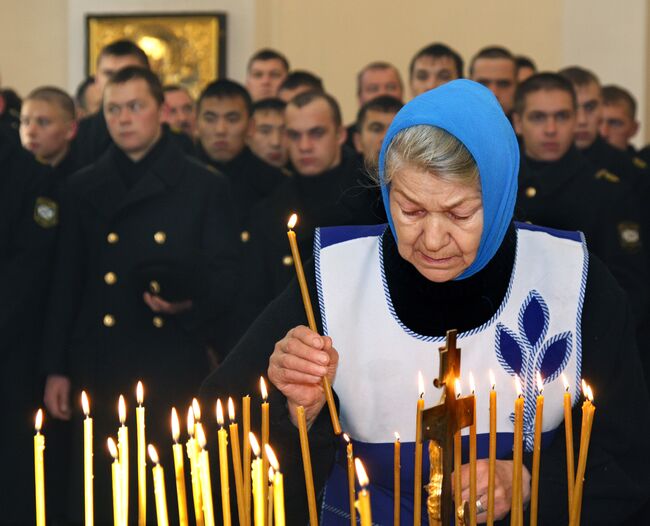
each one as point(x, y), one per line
point(219, 412)
point(396, 436)
point(139, 393)
point(584, 388)
point(518, 386)
point(153, 454)
point(420, 385)
point(590, 394)
point(472, 384)
point(38, 421)
point(190, 422)
point(361, 473)
point(85, 404)
point(112, 448)
point(176, 427)
point(292, 221)
point(540, 383)
point(200, 436)
point(254, 444)
point(265, 393)
point(346, 438)
point(121, 410)
point(493, 382)
point(231, 410)
point(271, 475)
point(270, 455)
point(457, 387)
point(565, 382)
point(197, 410)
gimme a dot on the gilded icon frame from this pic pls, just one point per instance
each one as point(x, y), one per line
point(183, 48)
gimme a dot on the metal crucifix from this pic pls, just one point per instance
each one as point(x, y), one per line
point(439, 424)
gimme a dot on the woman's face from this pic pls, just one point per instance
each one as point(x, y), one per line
point(438, 223)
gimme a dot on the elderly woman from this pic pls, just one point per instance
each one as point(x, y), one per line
point(523, 299)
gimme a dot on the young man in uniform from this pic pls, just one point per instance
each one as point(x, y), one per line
point(432, 66)
point(298, 82)
point(88, 97)
point(266, 134)
point(147, 254)
point(180, 111)
point(619, 123)
point(267, 69)
point(496, 69)
point(373, 121)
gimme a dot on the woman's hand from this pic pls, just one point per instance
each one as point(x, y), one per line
point(502, 486)
point(297, 366)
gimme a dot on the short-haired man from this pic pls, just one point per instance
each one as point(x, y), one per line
point(266, 134)
point(619, 124)
point(373, 120)
point(266, 70)
point(180, 112)
point(432, 66)
point(88, 97)
point(147, 252)
point(525, 68)
point(298, 82)
point(496, 69)
point(223, 123)
point(560, 188)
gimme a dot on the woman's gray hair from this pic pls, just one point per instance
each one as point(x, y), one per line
point(431, 149)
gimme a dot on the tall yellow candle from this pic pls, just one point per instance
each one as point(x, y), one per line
point(365, 511)
point(89, 514)
point(306, 462)
point(142, 457)
point(568, 435)
point(397, 465)
point(192, 455)
point(246, 428)
point(123, 449)
point(159, 488)
point(417, 475)
point(351, 475)
point(223, 466)
point(206, 481)
point(304, 291)
point(537, 448)
point(258, 494)
point(265, 436)
point(196, 410)
point(179, 471)
point(278, 488)
point(516, 509)
point(236, 462)
point(458, 488)
point(269, 500)
point(588, 410)
point(117, 481)
point(472, 456)
point(492, 455)
point(39, 469)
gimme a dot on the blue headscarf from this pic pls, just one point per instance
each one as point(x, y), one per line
point(470, 112)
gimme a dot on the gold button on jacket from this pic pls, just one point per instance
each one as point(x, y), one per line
point(110, 278)
point(160, 237)
point(287, 261)
point(112, 238)
point(531, 191)
point(154, 287)
point(158, 322)
point(109, 320)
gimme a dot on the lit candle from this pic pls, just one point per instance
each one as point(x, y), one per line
point(458, 488)
point(568, 435)
point(142, 457)
point(258, 493)
point(396, 480)
point(223, 466)
point(492, 455)
point(472, 455)
point(123, 449)
point(39, 469)
point(265, 436)
point(191, 448)
point(417, 476)
point(236, 462)
point(278, 488)
point(537, 448)
point(159, 488)
point(300, 274)
point(117, 481)
point(306, 463)
point(351, 475)
point(364, 495)
point(516, 509)
point(196, 409)
point(179, 471)
point(246, 428)
point(88, 461)
point(269, 492)
point(585, 437)
point(206, 481)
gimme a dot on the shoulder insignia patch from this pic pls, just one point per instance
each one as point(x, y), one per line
point(639, 163)
point(629, 235)
point(607, 176)
point(46, 212)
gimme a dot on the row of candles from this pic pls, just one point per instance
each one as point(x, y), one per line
point(264, 481)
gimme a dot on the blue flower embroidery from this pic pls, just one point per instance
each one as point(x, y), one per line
point(528, 350)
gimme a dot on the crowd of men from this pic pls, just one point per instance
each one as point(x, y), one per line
point(142, 231)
